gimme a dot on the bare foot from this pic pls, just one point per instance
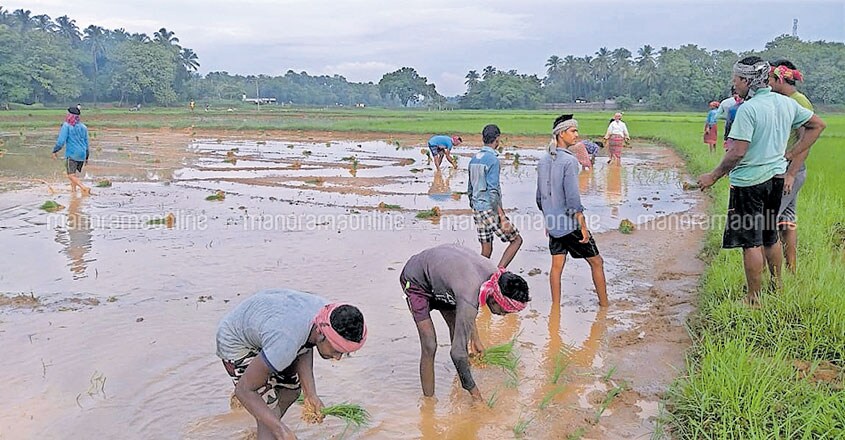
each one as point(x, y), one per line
point(86, 191)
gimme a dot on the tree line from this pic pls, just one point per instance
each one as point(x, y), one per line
point(52, 61)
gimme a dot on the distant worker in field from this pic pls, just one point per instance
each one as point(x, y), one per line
point(485, 199)
point(711, 127)
point(457, 282)
point(585, 151)
point(559, 200)
point(441, 145)
point(192, 105)
point(727, 111)
point(756, 163)
point(267, 346)
point(73, 137)
point(616, 137)
point(782, 78)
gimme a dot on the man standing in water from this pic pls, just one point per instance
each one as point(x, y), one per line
point(266, 344)
point(756, 165)
point(782, 78)
point(73, 137)
point(441, 145)
point(559, 199)
point(485, 199)
point(456, 281)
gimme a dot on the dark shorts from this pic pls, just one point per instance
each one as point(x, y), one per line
point(752, 215)
point(488, 224)
point(73, 166)
point(286, 379)
point(421, 303)
point(571, 244)
point(436, 149)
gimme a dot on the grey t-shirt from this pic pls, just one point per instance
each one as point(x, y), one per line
point(273, 322)
point(453, 274)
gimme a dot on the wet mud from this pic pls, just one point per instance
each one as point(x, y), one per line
point(109, 310)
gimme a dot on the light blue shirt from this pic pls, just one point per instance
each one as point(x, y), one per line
point(558, 193)
point(274, 323)
point(442, 141)
point(75, 140)
point(483, 185)
point(764, 121)
point(711, 117)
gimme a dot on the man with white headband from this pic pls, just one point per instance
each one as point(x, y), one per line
point(457, 282)
point(559, 199)
point(266, 344)
point(757, 167)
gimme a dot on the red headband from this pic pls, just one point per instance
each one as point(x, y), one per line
point(324, 327)
point(491, 287)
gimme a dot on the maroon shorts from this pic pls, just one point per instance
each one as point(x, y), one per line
point(421, 303)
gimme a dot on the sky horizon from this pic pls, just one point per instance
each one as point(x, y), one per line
point(364, 39)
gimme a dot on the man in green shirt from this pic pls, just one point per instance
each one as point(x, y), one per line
point(782, 78)
point(756, 165)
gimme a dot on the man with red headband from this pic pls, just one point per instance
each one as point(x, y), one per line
point(266, 344)
point(782, 77)
point(441, 145)
point(456, 281)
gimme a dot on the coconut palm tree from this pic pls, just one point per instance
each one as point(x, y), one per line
point(166, 38)
point(189, 59)
point(554, 65)
point(23, 20)
point(95, 40)
point(68, 29)
point(43, 23)
point(140, 38)
point(472, 79)
point(488, 72)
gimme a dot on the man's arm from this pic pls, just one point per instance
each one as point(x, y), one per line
point(539, 199)
point(305, 371)
point(246, 391)
point(493, 189)
point(571, 189)
point(729, 161)
point(464, 325)
point(813, 128)
point(62, 139)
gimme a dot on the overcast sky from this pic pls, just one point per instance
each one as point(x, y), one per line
point(442, 39)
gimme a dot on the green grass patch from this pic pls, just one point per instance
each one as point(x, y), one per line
point(388, 207)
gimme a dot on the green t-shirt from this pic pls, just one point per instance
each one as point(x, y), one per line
point(765, 121)
point(800, 99)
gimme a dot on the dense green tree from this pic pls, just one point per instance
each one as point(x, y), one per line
point(406, 87)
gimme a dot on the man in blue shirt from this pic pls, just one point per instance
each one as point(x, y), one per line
point(559, 199)
point(441, 145)
point(485, 199)
point(73, 137)
point(758, 169)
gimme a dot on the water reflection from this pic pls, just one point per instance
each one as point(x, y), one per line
point(440, 190)
point(615, 191)
point(76, 237)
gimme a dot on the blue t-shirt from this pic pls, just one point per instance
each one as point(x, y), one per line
point(442, 141)
point(74, 139)
point(765, 121)
point(711, 117)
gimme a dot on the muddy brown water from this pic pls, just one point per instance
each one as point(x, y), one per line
point(109, 321)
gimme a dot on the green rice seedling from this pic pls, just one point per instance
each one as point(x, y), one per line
point(218, 196)
point(608, 399)
point(388, 207)
point(547, 399)
point(502, 355)
point(119, 148)
point(491, 401)
point(609, 375)
point(516, 162)
point(307, 153)
point(105, 183)
point(51, 206)
point(521, 426)
point(561, 363)
point(348, 158)
point(577, 434)
point(315, 181)
point(351, 413)
point(429, 214)
point(626, 226)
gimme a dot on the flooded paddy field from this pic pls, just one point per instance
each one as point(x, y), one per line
point(109, 306)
